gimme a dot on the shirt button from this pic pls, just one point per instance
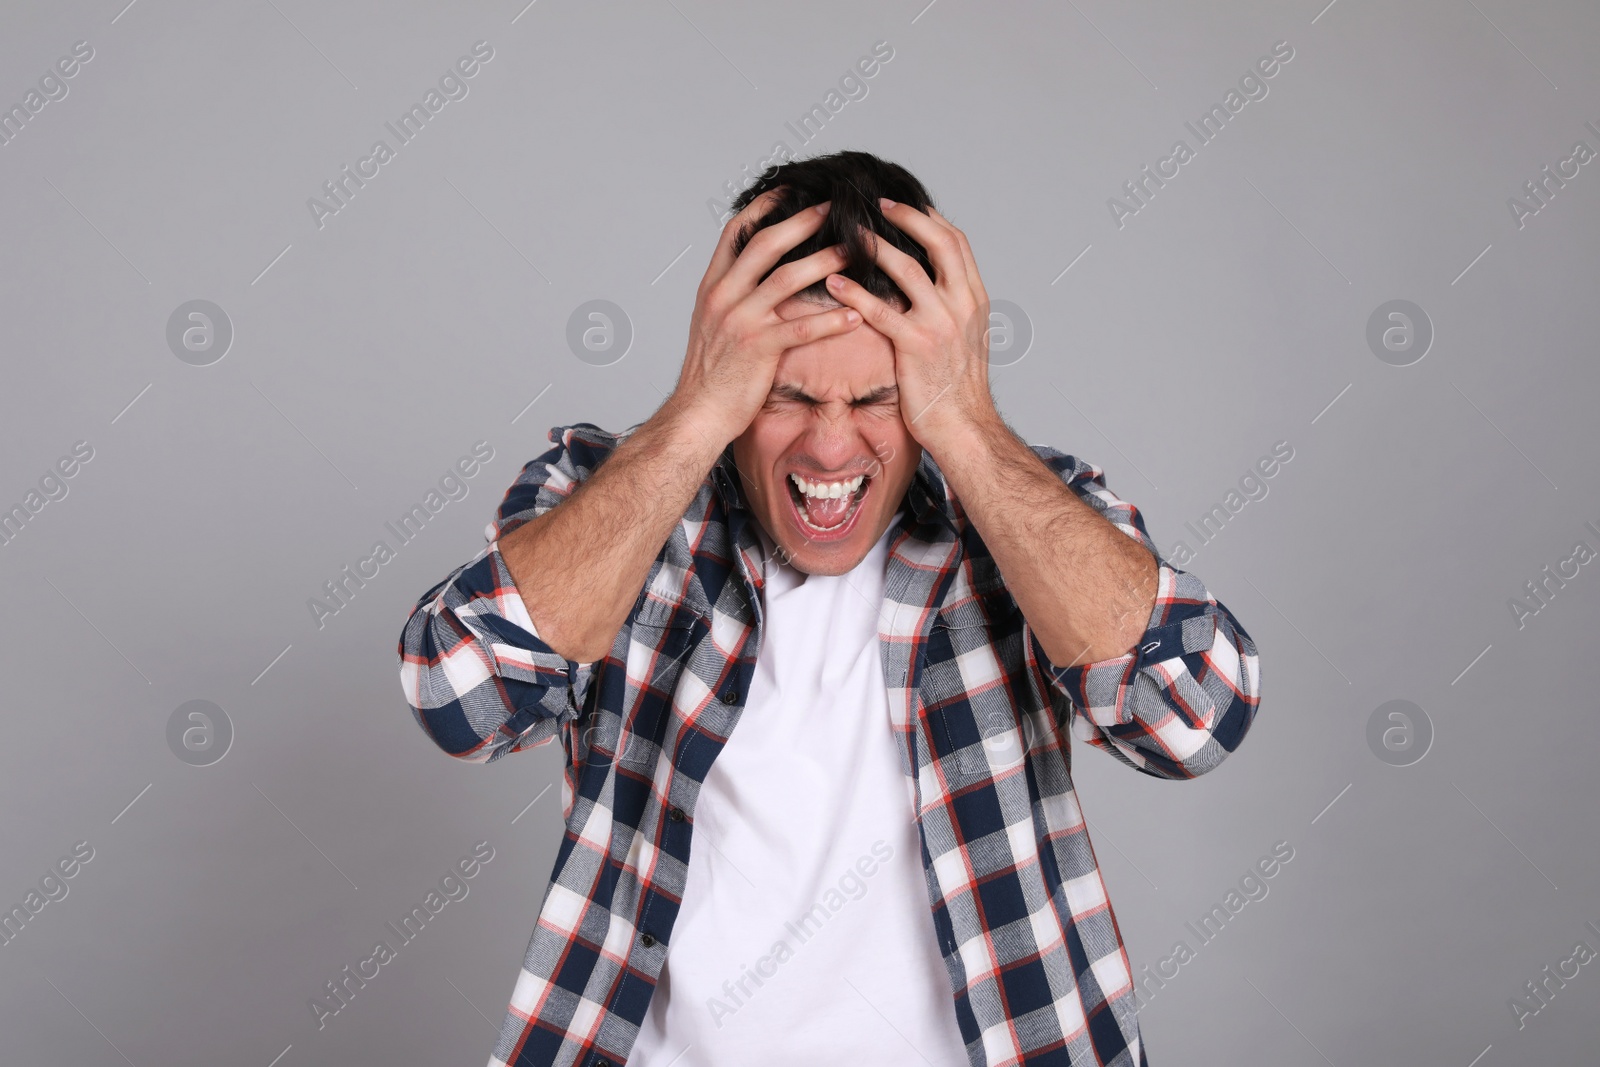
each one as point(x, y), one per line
point(676, 815)
point(730, 695)
point(647, 940)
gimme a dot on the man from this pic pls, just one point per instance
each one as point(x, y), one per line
point(828, 538)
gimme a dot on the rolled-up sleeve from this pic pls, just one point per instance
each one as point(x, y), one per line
point(1180, 701)
point(478, 678)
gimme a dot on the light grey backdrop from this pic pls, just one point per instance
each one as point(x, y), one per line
point(1176, 341)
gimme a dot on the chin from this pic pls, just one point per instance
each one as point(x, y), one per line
point(840, 559)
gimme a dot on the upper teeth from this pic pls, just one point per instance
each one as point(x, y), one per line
point(828, 490)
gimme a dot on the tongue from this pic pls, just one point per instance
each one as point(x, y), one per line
point(827, 512)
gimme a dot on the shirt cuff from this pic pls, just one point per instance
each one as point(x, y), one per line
point(1101, 687)
point(516, 651)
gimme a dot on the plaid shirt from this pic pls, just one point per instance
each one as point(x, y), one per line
point(1036, 963)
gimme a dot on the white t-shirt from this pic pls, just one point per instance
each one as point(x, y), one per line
point(805, 935)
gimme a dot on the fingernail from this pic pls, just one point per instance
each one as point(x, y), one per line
point(835, 282)
point(824, 207)
point(852, 316)
point(885, 203)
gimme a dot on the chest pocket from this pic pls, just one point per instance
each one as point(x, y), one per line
point(631, 696)
point(976, 689)
point(658, 655)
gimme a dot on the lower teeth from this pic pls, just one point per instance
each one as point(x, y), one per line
point(821, 529)
point(850, 503)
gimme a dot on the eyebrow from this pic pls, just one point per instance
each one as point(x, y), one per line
point(793, 392)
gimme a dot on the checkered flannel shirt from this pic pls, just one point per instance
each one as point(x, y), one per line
point(1036, 963)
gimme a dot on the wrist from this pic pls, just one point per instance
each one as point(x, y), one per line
point(690, 432)
point(963, 434)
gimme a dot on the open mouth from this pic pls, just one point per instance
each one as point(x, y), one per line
point(826, 510)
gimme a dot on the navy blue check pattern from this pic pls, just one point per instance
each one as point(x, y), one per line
point(1038, 972)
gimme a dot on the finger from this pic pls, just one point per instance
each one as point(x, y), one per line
point(792, 277)
point(722, 257)
point(974, 279)
point(803, 329)
point(874, 312)
point(909, 275)
point(941, 244)
point(770, 244)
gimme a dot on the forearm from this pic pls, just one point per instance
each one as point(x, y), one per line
point(1085, 587)
point(579, 566)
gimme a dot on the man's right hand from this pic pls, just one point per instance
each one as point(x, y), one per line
point(736, 335)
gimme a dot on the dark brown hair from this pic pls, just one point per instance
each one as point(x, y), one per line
point(853, 181)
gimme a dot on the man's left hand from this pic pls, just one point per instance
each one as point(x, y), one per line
point(941, 344)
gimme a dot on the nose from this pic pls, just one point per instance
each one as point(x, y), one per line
point(833, 440)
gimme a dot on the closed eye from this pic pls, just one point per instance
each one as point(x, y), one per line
point(884, 394)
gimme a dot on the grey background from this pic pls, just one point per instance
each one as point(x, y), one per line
point(1227, 315)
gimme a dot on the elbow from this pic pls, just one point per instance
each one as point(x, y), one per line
point(482, 686)
point(1186, 729)
point(1214, 700)
point(449, 731)
point(1214, 743)
point(474, 740)
point(498, 715)
point(441, 672)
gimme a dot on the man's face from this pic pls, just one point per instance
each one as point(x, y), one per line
point(827, 460)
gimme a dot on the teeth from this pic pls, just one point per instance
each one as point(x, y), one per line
point(828, 490)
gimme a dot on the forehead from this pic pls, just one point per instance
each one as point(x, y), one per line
point(842, 366)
